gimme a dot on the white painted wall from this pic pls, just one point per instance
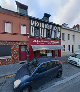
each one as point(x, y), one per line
point(70, 42)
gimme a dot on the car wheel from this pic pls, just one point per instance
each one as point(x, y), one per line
point(27, 89)
point(59, 74)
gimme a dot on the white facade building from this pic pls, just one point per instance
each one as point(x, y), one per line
point(70, 40)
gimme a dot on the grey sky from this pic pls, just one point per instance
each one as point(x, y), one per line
point(62, 11)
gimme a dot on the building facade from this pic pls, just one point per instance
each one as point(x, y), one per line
point(14, 34)
point(70, 40)
point(45, 38)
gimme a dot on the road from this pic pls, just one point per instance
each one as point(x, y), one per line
point(72, 88)
point(6, 84)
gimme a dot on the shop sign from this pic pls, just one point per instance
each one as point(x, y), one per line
point(44, 42)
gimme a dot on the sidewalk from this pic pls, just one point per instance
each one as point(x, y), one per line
point(9, 69)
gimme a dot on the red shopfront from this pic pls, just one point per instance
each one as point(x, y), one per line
point(44, 47)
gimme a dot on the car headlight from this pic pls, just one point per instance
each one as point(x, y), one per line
point(17, 83)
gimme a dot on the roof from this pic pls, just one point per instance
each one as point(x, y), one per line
point(31, 17)
point(71, 29)
point(20, 5)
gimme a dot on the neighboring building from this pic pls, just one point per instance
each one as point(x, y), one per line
point(14, 34)
point(21, 33)
point(45, 38)
point(70, 39)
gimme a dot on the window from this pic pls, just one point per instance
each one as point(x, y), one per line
point(73, 37)
point(48, 33)
point(36, 31)
point(68, 47)
point(23, 29)
point(78, 46)
point(5, 50)
point(42, 68)
point(23, 48)
point(68, 36)
point(64, 47)
point(8, 27)
point(44, 32)
point(63, 36)
point(32, 31)
point(41, 32)
point(52, 36)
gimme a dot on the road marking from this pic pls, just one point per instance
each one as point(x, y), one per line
point(10, 76)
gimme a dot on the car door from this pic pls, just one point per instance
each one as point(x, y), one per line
point(39, 76)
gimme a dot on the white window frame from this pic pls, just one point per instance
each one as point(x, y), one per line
point(8, 27)
point(23, 29)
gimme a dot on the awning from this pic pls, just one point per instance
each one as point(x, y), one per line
point(47, 47)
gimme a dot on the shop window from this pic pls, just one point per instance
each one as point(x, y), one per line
point(49, 53)
point(5, 50)
point(43, 53)
point(8, 27)
point(56, 53)
point(36, 31)
point(64, 47)
point(23, 29)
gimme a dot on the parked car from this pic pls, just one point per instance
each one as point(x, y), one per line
point(74, 59)
point(35, 76)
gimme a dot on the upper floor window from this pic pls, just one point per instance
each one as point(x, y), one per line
point(23, 29)
point(36, 31)
point(55, 32)
point(68, 36)
point(73, 37)
point(48, 33)
point(8, 27)
point(63, 36)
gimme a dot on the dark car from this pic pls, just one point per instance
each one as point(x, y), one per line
point(31, 77)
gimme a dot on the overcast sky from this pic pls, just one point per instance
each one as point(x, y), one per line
point(62, 11)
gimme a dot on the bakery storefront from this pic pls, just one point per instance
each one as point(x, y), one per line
point(44, 47)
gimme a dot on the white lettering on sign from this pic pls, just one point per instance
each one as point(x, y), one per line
point(45, 42)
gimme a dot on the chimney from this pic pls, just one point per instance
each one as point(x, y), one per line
point(21, 8)
point(46, 17)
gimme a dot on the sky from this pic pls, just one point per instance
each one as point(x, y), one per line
point(61, 11)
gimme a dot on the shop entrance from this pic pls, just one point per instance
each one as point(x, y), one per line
point(22, 52)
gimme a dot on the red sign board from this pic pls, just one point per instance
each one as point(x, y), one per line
point(37, 41)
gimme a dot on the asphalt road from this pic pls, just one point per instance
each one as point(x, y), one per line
point(6, 84)
point(75, 87)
